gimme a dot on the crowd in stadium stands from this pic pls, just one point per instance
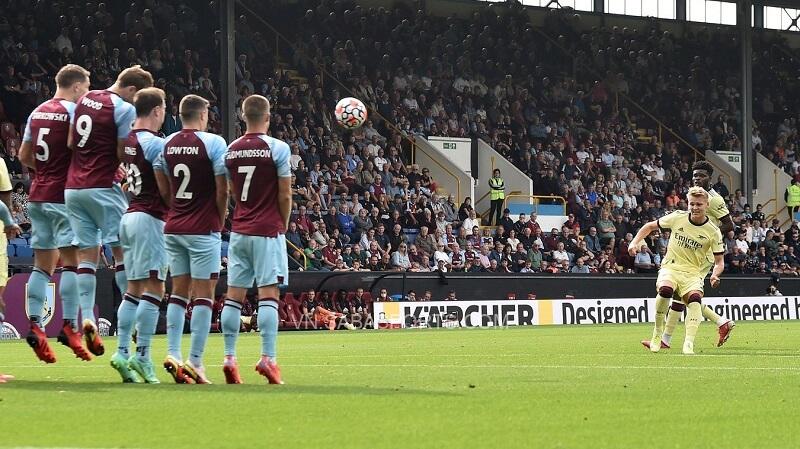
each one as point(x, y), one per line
point(569, 123)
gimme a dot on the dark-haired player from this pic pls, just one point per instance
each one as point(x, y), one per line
point(44, 149)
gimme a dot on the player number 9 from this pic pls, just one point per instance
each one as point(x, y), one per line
point(83, 126)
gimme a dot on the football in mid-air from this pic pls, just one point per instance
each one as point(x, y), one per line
point(350, 113)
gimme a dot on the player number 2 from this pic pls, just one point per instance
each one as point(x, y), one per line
point(248, 170)
point(134, 176)
point(182, 171)
point(45, 154)
point(83, 126)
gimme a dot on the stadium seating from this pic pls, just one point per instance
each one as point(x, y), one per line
point(472, 77)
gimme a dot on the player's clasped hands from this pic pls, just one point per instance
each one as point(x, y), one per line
point(714, 281)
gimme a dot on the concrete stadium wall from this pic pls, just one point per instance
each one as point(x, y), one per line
point(515, 179)
point(772, 183)
point(730, 175)
point(446, 173)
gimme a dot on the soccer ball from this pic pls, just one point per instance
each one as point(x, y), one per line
point(350, 113)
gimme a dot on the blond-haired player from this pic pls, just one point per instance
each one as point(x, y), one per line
point(695, 243)
point(719, 215)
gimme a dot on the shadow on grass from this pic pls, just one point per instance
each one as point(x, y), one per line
point(169, 388)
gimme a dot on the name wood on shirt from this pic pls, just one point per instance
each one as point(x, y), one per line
point(89, 103)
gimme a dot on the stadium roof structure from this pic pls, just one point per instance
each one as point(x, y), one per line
point(781, 15)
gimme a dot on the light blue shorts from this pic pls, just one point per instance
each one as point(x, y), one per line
point(141, 236)
point(197, 255)
point(258, 259)
point(93, 211)
point(50, 227)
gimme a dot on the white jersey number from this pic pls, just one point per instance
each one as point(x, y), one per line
point(134, 179)
point(83, 126)
point(248, 170)
point(182, 171)
point(45, 154)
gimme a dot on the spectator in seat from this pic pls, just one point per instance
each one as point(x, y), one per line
point(472, 220)
point(592, 241)
point(606, 228)
point(400, 260)
point(560, 254)
point(293, 235)
point(643, 261)
point(308, 304)
point(345, 221)
point(20, 218)
point(314, 258)
point(13, 164)
point(464, 210)
point(506, 221)
point(451, 296)
point(580, 267)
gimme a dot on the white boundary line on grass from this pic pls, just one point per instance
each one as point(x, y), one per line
point(494, 366)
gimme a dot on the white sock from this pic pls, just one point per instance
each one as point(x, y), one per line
point(666, 338)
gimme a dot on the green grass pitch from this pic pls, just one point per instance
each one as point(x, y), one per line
point(539, 387)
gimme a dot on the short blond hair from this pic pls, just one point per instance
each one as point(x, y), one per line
point(255, 108)
point(697, 192)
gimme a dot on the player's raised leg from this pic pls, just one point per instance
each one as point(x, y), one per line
point(724, 325)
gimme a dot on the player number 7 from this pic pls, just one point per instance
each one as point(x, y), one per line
point(248, 170)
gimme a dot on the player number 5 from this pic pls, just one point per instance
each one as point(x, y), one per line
point(45, 154)
point(248, 170)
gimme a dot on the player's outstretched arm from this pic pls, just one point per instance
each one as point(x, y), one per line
point(645, 230)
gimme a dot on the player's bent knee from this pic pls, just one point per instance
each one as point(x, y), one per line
point(695, 297)
point(665, 291)
point(677, 307)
